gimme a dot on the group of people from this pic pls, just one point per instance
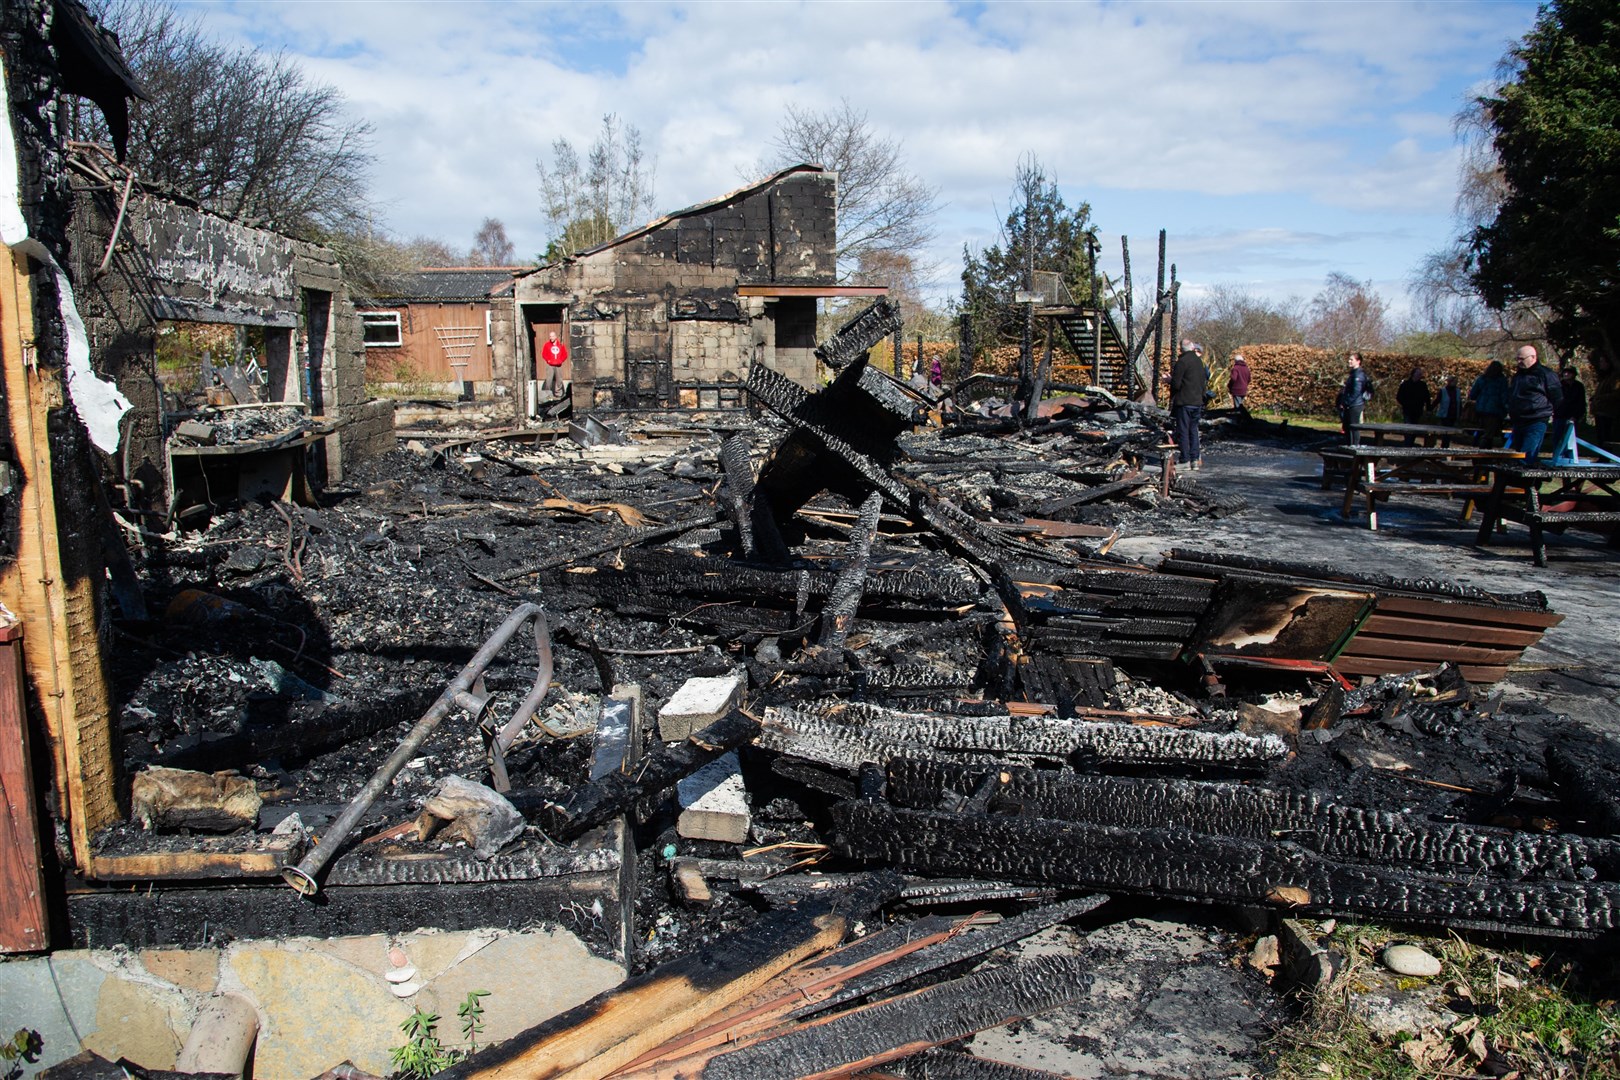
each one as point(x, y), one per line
point(1530, 404)
point(1190, 392)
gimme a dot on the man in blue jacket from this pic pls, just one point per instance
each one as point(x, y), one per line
point(1353, 397)
point(1533, 397)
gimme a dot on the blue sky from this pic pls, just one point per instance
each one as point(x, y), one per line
point(1275, 141)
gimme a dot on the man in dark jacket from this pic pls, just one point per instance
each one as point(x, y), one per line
point(1188, 381)
point(1533, 397)
point(1353, 397)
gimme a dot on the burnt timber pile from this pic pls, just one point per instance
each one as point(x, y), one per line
point(912, 651)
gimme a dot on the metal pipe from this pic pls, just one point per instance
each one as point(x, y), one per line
point(302, 876)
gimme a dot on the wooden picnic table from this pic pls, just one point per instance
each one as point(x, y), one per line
point(1591, 487)
point(1441, 435)
point(1377, 472)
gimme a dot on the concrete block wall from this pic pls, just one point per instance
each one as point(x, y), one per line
point(785, 232)
point(367, 432)
point(171, 261)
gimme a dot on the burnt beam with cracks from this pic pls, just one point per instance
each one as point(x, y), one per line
point(1176, 862)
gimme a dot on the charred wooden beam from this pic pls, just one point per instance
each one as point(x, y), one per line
point(1177, 862)
point(789, 401)
point(855, 338)
point(839, 613)
point(850, 735)
point(952, 1065)
point(894, 1028)
point(1311, 819)
point(1584, 767)
point(955, 950)
point(596, 802)
point(592, 1040)
point(1207, 564)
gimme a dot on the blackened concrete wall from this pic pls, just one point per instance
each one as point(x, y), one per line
point(176, 262)
point(656, 317)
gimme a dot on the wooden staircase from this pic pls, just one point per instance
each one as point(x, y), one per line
point(1098, 344)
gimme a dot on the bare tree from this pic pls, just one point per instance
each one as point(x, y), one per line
point(1228, 317)
point(244, 133)
point(590, 202)
point(881, 206)
point(1347, 314)
point(1449, 314)
point(491, 247)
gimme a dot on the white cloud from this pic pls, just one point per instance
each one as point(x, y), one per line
point(1337, 106)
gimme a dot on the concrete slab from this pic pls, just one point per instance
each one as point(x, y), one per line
point(530, 977)
point(189, 969)
point(54, 995)
point(317, 1010)
point(141, 1021)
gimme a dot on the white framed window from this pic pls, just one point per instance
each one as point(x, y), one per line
point(489, 326)
point(380, 328)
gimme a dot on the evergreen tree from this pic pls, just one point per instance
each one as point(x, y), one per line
point(1038, 222)
point(1555, 124)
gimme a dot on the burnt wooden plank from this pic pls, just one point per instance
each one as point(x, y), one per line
point(952, 1065)
point(1183, 863)
point(1349, 663)
point(851, 735)
point(898, 1027)
point(954, 950)
point(1314, 820)
point(592, 1040)
point(1458, 611)
point(1433, 652)
point(1410, 629)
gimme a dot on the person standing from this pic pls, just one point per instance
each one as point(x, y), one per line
point(1605, 401)
point(1489, 396)
point(1353, 397)
point(1189, 379)
point(1571, 411)
point(1238, 385)
point(1448, 403)
point(555, 354)
point(936, 374)
point(1533, 397)
point(1413, 397)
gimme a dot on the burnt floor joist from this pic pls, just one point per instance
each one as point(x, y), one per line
point(1312, 819)
point(1183, 863)
point(848, 736)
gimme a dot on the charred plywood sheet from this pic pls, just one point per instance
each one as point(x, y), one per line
point(1274, 619)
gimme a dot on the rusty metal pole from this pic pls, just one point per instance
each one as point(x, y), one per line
point(459, 694)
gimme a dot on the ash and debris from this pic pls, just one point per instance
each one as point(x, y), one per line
point(353, 615)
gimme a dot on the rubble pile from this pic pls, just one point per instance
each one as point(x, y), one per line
point(788, 654)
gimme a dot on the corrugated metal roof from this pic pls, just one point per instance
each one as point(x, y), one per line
point(448, 284)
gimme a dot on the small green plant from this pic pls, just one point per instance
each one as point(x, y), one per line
point(423, 1053)
point(25, 1046)
point(471, 1012)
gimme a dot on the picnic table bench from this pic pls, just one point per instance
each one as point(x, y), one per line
point(1441, 435)
point(1590, 487)
point(1377, 472)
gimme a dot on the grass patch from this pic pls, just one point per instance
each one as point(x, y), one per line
point(1522, 1015)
